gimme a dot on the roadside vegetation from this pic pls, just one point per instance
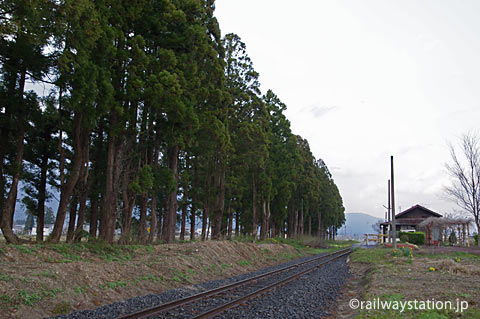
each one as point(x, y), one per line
point(404, 275)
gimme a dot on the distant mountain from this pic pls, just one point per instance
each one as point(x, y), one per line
point(357, 224)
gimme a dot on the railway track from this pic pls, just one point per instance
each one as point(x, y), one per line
point(212, 302)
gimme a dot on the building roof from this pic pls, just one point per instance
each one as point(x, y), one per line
point(412, 221)
point(418, 207)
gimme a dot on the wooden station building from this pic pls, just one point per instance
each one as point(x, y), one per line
point(410, 220)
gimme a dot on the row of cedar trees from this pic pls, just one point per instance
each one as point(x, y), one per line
point(148, 118)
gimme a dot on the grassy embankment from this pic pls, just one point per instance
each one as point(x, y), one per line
point(422, 276)
point(38, 280)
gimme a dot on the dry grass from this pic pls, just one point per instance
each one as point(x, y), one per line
point(41, 280)
point(456, 267)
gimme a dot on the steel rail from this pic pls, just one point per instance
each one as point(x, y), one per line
point(213, 312)
point(175, 303)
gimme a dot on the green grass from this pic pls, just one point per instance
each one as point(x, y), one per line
point(24, 248)
point(244, 262)
point(6, 299)
point(52, 293)
point(29, 298)
point(80, 290)
point(114, 284)
point(309, 245)
point(5, 277)
point(460, 254)
point(101, 249)
point(372, 256)
point(181, 277)
point(225, 266)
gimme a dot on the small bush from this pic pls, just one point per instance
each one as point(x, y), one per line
point(416, 238)
point(452, 238)
point(396, 253)
point(476, 239)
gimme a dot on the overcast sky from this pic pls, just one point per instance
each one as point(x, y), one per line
point(367, 79)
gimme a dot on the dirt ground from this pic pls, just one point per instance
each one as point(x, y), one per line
point(449, 275)
point(38, 281)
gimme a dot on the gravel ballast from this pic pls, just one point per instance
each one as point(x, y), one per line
point(311, 296)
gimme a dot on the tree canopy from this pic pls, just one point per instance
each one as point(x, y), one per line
point(149, 118)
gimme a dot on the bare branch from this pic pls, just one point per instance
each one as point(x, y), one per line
point(465, 176)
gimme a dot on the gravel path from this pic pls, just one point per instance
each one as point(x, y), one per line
point(300, 299)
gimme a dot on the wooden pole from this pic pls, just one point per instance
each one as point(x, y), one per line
point(468, 235)
point(394, 226)
point(389, 215)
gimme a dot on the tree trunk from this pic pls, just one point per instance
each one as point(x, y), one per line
point(219, 200)
point(319, 225)
point(153, 219)
point(112, 211)
point(72, 218)
point(184, 220)
point(128, 205)
point(108, 197)
point(290, 222)
point(85, 184)
point(9, 206)
point(69, 186)
point(264, 226)
point(93, 217)
point(237, 224)
point(206, 207)
point(161, 223)
point(171, 214)
point(300, 223)
point(192, 219)
point(3, 149)
point(193, 210)
point(254, 209)
point(204, 221)
point(8, 209)
point(230, 223)
point(309, 225)
point(142, 225)
point(295, 223)
point(153, 212)
point(208, 227)
point(42, 192)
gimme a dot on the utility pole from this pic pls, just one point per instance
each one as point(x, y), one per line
point(389, 216)
point(394, 226)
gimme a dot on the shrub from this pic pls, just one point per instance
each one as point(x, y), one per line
point(476, 239)
point(416, 238)
point(452, 238)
